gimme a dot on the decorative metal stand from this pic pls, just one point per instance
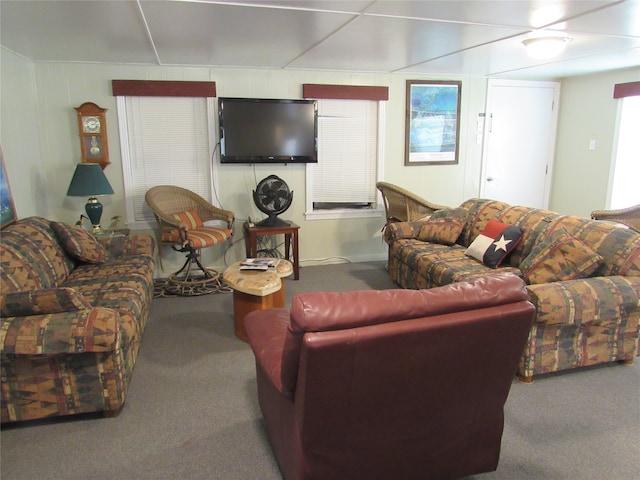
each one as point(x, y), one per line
point(192, 279)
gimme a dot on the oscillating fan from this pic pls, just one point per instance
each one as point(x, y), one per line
point(272, 196)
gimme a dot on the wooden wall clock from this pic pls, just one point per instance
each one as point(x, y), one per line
point(92, 125)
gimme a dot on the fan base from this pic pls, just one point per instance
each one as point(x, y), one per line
point(272, 222)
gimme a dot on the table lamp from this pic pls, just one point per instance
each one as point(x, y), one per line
point(89, 179)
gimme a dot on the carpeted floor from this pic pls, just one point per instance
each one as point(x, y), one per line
point(192, 411)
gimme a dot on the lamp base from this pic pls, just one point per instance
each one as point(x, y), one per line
point(94, 212)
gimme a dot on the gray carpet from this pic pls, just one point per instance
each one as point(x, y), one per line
point(192, 411)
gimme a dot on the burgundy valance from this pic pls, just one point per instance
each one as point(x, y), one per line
point(162, 88)
point(345, 92)
point(631, 89)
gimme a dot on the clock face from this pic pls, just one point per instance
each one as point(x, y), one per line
point(91, 124)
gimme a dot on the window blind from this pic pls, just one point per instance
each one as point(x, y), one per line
point(168, 143)
point(347, 152)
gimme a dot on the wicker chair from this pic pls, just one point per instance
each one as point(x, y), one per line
point(629, 216)
point(403, 206)
point(181, 214)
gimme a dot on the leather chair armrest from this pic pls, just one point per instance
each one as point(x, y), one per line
point(266, 333)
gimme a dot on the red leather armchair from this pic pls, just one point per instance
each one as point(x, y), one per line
point(391, 384)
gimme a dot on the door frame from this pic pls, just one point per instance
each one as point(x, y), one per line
point(553, 126)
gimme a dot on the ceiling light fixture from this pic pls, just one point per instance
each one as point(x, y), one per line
point(545, 47)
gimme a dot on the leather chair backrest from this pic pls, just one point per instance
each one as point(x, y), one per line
point(429, 391)
point(328, 311)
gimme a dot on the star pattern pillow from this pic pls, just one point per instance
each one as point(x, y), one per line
point(494, 243)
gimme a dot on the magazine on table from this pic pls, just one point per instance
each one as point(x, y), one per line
point(263, 264)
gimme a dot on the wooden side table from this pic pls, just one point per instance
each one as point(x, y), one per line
point(255, 290)
point(290, 232)
point(123, 232)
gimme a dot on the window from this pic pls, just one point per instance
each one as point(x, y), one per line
point(350, 151)
point(626, 167)
point(343, 182)
point(166, 140)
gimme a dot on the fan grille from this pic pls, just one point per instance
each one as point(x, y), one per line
point(272, 196)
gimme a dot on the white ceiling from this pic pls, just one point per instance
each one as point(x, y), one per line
point(470, 37)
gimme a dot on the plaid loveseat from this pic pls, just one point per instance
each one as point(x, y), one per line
point(588, 306)
point(73, 312)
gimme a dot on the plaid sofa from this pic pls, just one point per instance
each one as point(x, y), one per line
point(73, 312)
point(582, 319)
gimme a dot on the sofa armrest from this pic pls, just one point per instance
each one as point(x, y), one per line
point(266, 333)
point(596, 299)
point(88, 330)
point(399, 230)
point(118, 247)
point(42, 301)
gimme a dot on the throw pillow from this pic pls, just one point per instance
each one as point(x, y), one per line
point(494, 243)
point(444, 226)
point(79, 243)
point(559, 257)
point(43, 301)
point(190, 218)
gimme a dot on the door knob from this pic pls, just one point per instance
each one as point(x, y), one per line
point(490, 179)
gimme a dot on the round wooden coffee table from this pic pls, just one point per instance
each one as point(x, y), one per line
point(255, 290)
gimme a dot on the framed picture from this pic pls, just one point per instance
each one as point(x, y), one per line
point(432, 127)
point(7, 208)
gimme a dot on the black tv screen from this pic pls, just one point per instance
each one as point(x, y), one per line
point(254, 130)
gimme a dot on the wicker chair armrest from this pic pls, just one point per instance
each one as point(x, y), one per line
point(403, 205)
point(169, 221)
point(629, 216)
point(419, 209)
point(412, 197)
point(209, 212)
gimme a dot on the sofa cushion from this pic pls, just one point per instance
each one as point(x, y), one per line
point(124, 284)
point(190, 218)
point(437, 265)
point(401, 230)
point(198, 237)
point(31, 256)
point(43, 301)
point(480, 212)
point(79, 243)
point(620, 247)
point(559, 256)
point(494, 243)
point(535, 224)
point(444, 226)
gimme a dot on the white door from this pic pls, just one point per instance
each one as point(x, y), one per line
point(520, 132)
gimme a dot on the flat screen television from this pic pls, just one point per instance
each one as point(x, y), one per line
point(256, 130)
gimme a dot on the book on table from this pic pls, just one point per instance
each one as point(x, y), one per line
point(262, 264)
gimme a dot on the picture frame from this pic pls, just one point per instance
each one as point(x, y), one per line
point(432, 123)
point(7, 207)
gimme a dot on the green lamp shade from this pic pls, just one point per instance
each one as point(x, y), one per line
point(89, 180)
